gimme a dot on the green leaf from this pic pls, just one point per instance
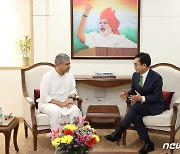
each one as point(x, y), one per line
point(24, 45)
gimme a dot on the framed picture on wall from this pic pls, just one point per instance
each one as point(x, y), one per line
point(105, 29)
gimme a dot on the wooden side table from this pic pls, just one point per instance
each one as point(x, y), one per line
point(104, 112)
point(6, 127)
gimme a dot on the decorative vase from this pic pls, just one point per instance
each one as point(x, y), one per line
point(71, 152)
point(25, 61)
point(77, 151)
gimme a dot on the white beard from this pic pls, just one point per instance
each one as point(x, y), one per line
point(106, 32)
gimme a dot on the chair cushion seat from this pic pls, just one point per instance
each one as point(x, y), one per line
point(43, 119)
point(163, 119)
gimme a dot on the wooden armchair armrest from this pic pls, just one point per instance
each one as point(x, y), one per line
point(33, 110)
point(175, 105)
point(178, 101)
point(79, 102)
point(128, 102)
point(30, 101)
point(175, 113)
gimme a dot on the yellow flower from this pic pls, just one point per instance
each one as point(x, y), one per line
point(67, 139)
point(93, 129)
point(96, 137)
point(71, 127)
point(56, 142)
point(87, 126)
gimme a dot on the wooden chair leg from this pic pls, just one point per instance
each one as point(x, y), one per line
point(124, 137)
point(117, 124)
point(35, 141)
point(25, 129)
point(172, 138)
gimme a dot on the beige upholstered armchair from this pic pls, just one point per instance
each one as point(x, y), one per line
point(168, 122)
point(37, 122)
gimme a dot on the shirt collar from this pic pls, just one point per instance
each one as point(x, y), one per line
point(58, 74)
point(145, 74)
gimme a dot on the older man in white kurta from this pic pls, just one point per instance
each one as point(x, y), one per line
point(54, 86)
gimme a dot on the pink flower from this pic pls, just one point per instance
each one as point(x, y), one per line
point(54, 133)
point(80, 121)
point(82, 139)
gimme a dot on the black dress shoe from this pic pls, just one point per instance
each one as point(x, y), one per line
point(115, 136)
point(149, 146)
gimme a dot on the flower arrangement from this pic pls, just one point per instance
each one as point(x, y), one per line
point(76, 138)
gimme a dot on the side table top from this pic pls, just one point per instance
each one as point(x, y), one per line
point(5, 123)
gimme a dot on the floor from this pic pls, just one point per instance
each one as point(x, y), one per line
point(133, 143)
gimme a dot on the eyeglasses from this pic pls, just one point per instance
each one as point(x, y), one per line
point(136, 64)
point(8, 116)
point(103, 22)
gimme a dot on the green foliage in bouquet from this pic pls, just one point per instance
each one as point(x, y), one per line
point(77, 138)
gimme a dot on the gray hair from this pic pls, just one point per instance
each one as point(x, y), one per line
point(60, 58)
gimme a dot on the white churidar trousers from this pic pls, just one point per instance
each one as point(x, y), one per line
point(58, 115)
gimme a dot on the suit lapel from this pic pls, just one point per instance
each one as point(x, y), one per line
point(147, 79)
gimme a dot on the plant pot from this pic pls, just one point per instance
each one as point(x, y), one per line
point(25, 61)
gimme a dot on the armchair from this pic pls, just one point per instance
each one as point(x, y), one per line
point(168, 122)
point(37, 122)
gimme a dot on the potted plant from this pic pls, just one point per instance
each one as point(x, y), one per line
point(24, 45)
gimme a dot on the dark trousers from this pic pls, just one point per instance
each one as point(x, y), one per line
point(135, 115)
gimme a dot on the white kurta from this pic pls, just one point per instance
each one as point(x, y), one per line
point(54, 86)
point(94, 39)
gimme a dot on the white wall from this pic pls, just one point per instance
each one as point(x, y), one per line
point(160, 33)
point(15, 22)
point(11, 92)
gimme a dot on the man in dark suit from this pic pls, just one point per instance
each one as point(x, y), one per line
point(147, 99)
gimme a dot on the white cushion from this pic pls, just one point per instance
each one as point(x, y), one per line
point(163, 119)
point(170, 79)
point(43, 119)
point(34, 77)
point(160, 128)
point(43, 127)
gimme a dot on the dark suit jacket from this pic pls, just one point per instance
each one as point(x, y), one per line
point(152, 90)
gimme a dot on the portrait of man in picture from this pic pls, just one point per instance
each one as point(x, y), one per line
point(108, 35)
point(104, 29)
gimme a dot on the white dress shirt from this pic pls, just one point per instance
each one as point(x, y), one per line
point(54, 86)
point(144, 79)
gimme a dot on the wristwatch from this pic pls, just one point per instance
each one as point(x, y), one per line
point(72, 98)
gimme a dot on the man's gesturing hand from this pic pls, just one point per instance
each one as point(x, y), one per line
point(135, 98)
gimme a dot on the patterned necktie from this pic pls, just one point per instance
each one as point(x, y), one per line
point(141, 81)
